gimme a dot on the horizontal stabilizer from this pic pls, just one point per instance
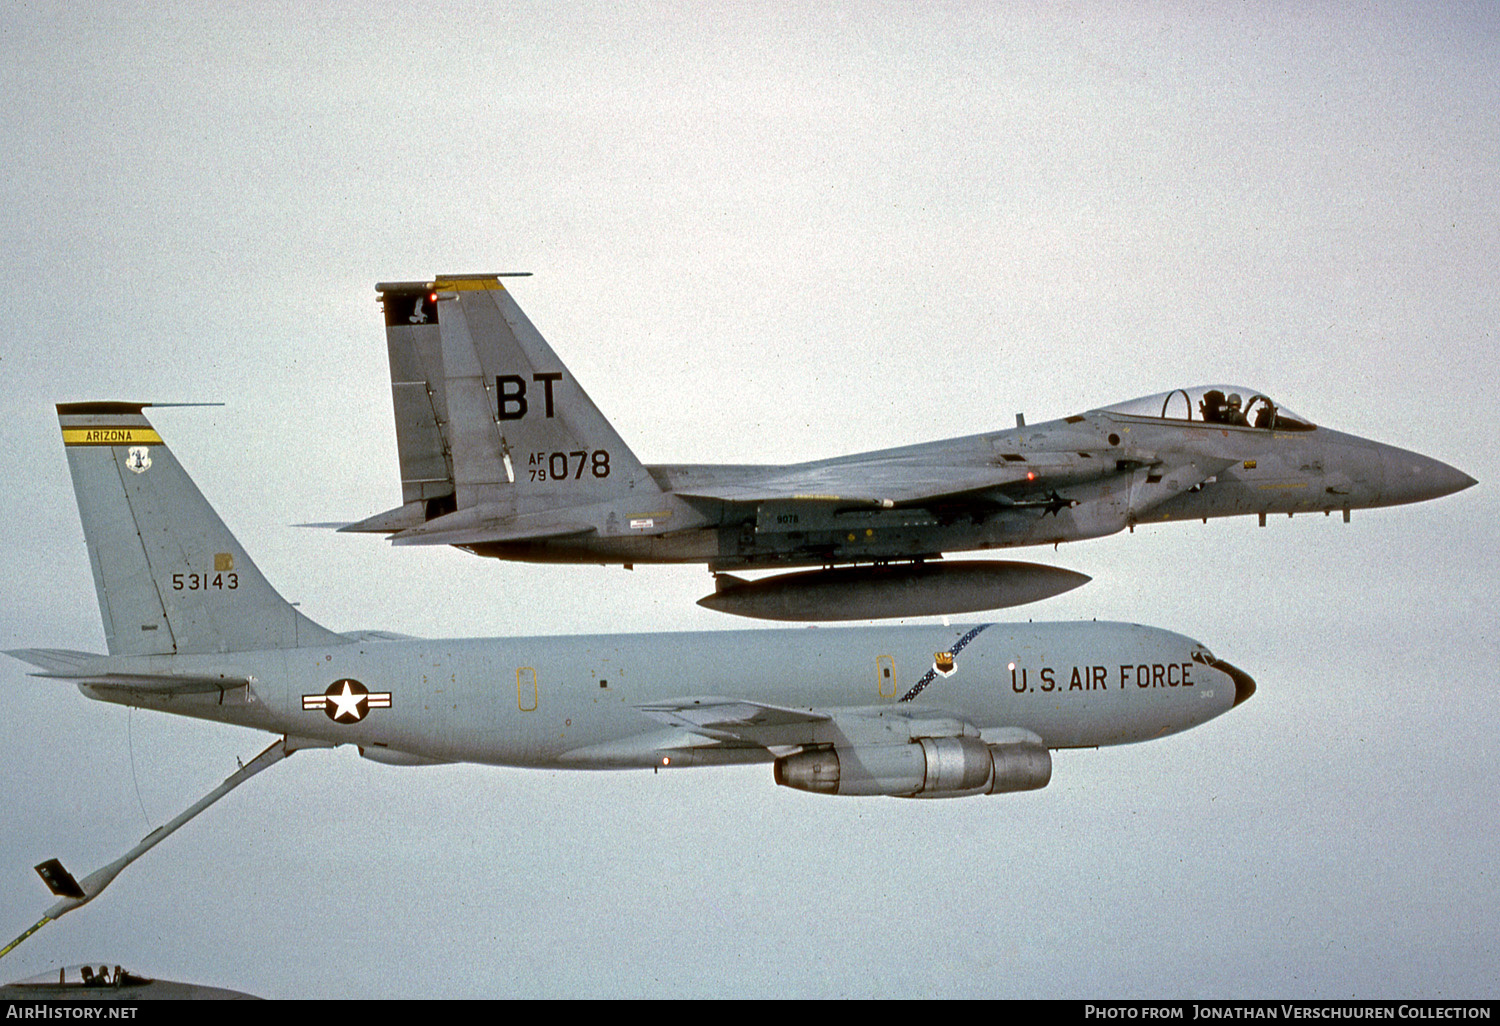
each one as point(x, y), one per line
point(159, 683)
point(402, 518)
point(480, 525)
point(58, 662)
point(89, 668)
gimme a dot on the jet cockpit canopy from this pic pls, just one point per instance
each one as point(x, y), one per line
point(84, 976)
point(1226, 405)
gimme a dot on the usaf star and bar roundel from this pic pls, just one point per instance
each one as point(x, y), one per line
point(347, 701)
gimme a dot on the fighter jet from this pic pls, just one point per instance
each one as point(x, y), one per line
point(85, 983)
point(503, 454)
point(193, 628)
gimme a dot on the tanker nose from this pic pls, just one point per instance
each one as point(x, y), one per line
point(1244, 684)
point(1412, 477)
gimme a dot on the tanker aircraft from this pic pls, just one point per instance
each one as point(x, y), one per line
point(193, 628)
point(504, 455)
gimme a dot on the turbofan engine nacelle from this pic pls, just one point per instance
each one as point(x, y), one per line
point(1020, 766)
point(930, 767)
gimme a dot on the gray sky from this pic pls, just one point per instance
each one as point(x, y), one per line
point(767, 232)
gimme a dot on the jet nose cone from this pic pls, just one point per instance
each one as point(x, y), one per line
point(1412, 477)
point(1244, 684)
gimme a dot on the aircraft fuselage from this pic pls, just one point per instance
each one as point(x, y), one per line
point(1096, 475)
point(576, 702)
point(503, 454)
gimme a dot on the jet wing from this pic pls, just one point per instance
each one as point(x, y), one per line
point(880, 484)
point(906, 480)
point(784, 729)
point(733, 719)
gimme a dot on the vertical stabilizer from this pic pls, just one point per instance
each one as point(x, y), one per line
point(419, 395)
point(511, 426)
point(170, 576)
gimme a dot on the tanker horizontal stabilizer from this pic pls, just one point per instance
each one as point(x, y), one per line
point(100, 671)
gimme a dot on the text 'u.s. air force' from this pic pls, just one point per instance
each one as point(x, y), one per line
point(1099, 678)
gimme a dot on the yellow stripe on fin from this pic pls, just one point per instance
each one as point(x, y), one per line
point(111, 436)
point(461, 283)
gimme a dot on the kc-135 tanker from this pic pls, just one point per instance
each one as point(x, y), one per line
point(192, 628)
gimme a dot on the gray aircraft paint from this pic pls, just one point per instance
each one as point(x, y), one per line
point(168, 570)
point(475, 385)
point(876, 592)
point(82, 983)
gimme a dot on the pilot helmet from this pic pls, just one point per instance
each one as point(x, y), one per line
point(1234, 400)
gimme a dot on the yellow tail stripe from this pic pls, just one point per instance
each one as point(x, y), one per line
point(459, 284)
point(111, 436)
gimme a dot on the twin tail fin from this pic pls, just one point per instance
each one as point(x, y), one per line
point(489, 422)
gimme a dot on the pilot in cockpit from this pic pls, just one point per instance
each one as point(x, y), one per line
point(1265, 417)
point(1232, 412)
